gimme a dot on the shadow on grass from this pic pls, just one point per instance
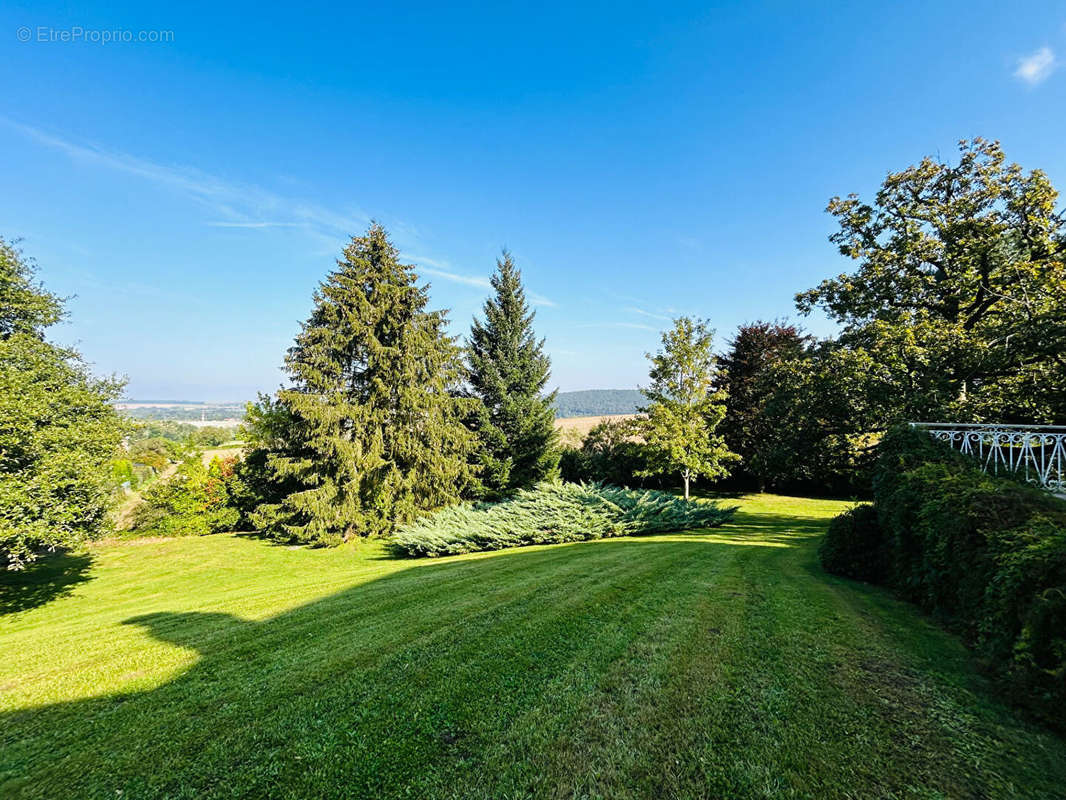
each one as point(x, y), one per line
point(383, 686)
point(418, 683)
point(52, 576)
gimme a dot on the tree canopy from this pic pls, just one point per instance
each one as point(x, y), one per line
point(58, 427)
point(685, 407)
point(960, 292)
point(747, 376)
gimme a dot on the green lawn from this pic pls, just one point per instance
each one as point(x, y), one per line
point(715, 664)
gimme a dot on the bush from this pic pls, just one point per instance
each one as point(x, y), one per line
point(552, 513)
point(611, 454)
point(985, 553)
point(194, 501)
point(854, 546)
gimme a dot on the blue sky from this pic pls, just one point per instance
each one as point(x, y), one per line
point(639, 160)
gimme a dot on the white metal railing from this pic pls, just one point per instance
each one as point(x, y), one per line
point(1035, 452)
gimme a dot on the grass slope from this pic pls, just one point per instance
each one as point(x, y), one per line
point(705, 664)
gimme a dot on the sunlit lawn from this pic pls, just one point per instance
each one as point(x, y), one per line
point(715, 664)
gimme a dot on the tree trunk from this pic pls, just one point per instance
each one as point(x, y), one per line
point(685, 476)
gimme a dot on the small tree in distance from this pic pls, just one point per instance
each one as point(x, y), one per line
point(684, 408)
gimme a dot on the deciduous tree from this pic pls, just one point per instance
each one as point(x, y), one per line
point(745, 371)
point(58, 427)
point(960, 290)
point(685, 407)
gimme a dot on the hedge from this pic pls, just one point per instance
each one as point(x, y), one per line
point(987, 554)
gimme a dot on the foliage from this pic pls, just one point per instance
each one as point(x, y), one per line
point(611, 454)
point(553, 513)
point(854, 545)
point(597, 402)
point(377, 433)
point(507, 369)
point(58, 428)
point(960, 293)
point(156, 453)
point(685, 408)
point(822, 414)
point(183, 432)
point(749, 370)
point(986, 553)
point(194, 501)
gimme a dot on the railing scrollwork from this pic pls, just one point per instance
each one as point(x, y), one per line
point(1035, 452)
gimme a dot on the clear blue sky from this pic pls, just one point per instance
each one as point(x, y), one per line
point(640, 160)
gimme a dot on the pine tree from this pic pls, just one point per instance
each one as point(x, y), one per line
point(508, 370)
point(378, 433)
point(685, 407)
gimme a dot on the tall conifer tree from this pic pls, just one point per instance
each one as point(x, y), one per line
point(379, 433)
point(508, 370)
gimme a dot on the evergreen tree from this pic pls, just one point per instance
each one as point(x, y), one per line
point(58, 427)
point(508, 370)
point(685, 408)
point(376, 433)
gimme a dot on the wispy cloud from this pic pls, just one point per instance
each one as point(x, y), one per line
point(243, 206)
point(633, 325)
point(239, 205)
point(645, 313)
point(443, 269)
point(1035, 68)
point(466, 280)
point(254, 224)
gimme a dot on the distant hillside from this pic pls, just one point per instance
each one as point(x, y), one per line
point(595, 402)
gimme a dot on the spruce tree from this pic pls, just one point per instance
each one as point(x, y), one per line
point(507, 371)
point(377, 432)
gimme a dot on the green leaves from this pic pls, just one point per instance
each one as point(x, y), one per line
point(960, 292)
point(679, 425)
point(58, 429)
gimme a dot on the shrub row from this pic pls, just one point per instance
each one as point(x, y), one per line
point(552, 513)
point(194, 501)
point(985, 553)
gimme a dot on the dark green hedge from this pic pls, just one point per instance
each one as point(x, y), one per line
point(985, 553)
point(854, 545)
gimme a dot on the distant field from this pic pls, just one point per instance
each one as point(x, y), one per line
point(573, 430)
point(235, 451)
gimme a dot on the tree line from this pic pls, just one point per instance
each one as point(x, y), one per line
point(956, 309)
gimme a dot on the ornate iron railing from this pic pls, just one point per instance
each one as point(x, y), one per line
point(1035, 452)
